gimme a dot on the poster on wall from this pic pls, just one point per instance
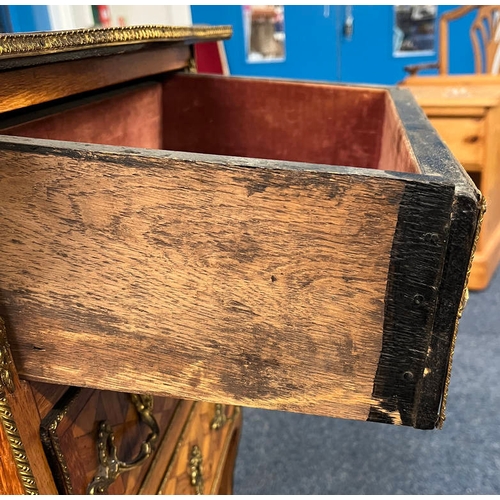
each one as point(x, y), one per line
point(414, 32)
point(264, 30)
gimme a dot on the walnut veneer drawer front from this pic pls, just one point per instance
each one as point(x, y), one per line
point(465, 136)
point(83, 452)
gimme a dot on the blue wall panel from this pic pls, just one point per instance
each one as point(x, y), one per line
point(307, 29)
point(368, 56)
point(29, 18)
point(316, 49)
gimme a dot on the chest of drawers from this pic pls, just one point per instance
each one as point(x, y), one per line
point(169, 237)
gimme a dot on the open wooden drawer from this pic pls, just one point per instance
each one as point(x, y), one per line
point(284, 245)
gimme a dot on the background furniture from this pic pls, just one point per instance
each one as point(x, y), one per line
point(465, 111)
point(484, 35)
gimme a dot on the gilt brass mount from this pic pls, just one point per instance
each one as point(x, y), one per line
point(7, 418)
point(6, 380)
point(220, 418)
point(110, 466)
point(196, 470)
point(41, 43)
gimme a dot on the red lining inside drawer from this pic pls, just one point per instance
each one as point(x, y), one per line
point(269, 119)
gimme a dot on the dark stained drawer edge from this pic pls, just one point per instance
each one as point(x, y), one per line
point(464, 230)
point(434, 157)
point(128, 156)
point(417, 260)
point(432, 154)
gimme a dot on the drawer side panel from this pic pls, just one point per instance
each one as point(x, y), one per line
point(136, 271)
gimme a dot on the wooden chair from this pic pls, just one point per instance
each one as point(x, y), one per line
point(485, 38)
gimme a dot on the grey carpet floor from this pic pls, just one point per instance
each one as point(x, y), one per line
point(284, 453)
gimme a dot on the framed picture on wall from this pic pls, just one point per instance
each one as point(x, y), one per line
point(414, 30)
point(264, 31)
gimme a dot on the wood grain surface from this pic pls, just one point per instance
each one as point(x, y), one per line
point(212, 281)
point(39, 84)
point(46, 396)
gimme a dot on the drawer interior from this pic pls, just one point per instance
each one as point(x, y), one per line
point(126, 118)
point(267, 119)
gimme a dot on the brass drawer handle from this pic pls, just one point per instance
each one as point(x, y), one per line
point(220, 418)
point(196, 470)
point(110, 466)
